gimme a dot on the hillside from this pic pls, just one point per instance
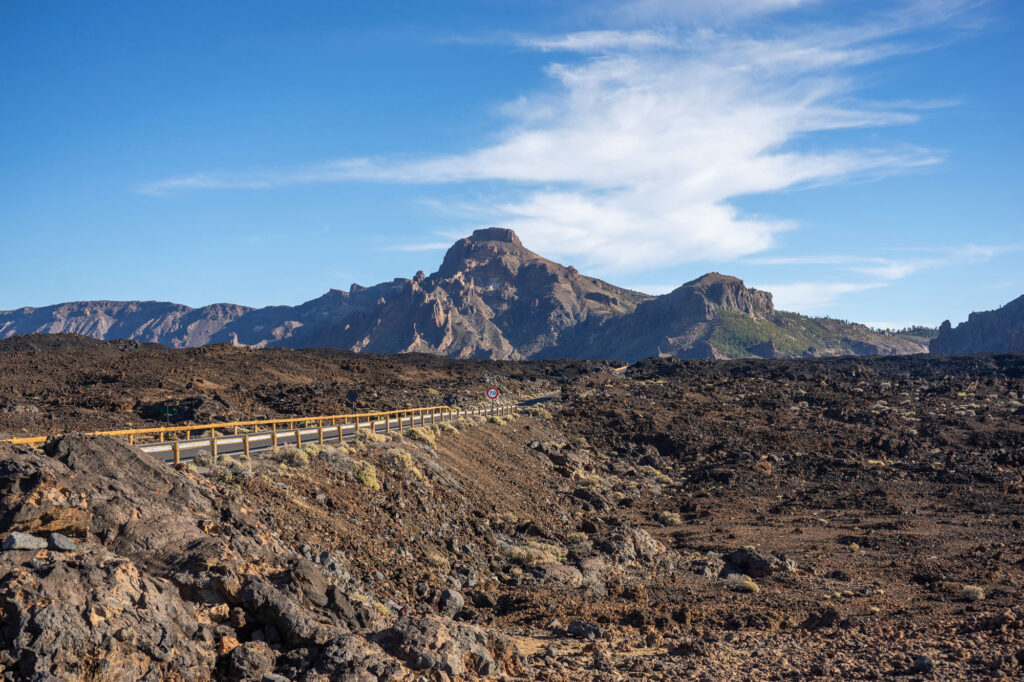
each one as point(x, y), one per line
point(993, 331)
point(491, 298)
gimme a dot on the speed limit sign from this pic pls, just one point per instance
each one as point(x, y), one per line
point(493, 393)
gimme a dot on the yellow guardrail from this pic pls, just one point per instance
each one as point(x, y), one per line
point(161, 433)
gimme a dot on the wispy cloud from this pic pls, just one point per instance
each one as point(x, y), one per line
point(812, 297)
point(888, 268)
point(598, 41)
point(631, 159)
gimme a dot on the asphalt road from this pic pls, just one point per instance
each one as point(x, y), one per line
point(264, 440)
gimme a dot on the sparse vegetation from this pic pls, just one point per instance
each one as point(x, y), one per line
point(404, 461)
point(668, 518)
point(972, 593)
point(423, 435)
point(447, 427)
point(742, 583)
point(534, 553)
point(539, 412)
point(366, 474)
point(369, 436)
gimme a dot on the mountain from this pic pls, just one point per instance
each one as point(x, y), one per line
point(992, 331)
point(491, 298)
point(716, 316)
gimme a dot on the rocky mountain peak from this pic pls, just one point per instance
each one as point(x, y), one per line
point(727, 293)
point(494, 234)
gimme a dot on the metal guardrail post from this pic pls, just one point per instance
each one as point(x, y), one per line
point(177, 453)
point(213, 443)
point(298, 437)
point(245, 443)
point(321, 433)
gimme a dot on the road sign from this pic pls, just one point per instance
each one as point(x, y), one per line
point(493, 393)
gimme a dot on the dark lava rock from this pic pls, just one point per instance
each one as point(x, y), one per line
point(456, 649)
point(251, 661)
point(750, 562)
point(309, 581)
point(451, 602)
point(923, 664)
point(581, 628)
point(61, 543)
point(350, 657)
point(23, 541)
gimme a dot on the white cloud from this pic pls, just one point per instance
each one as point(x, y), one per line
point(598, 41)
point(812, 297)
point(631, 159)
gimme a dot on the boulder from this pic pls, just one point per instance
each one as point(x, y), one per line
point(251, 661)
point(23, 541)
point(455, 649)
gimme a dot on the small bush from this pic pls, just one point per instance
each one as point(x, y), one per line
point(366, 474)
point(534, 553)
point(423, 435)
point(539, 412)
point(495, 420)
point(403, 460)
point(436, 560)
point(742, 583)
point(445, 427)
point(368, 436)
point(972, 593)
point(668, 518)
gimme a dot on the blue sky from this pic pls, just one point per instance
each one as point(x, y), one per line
point(860, 160)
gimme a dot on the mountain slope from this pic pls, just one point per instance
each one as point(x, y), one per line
point(716, 316)
point(490, 298)
point(992, 331)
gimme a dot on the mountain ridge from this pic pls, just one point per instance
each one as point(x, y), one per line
point(491, 297)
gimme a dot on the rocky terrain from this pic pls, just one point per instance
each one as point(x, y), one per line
point(992, 331)
point(846, 518)
point(491, 298)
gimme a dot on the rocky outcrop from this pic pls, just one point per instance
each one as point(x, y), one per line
point(115, 566)
point(993, 331)
point(491, 298)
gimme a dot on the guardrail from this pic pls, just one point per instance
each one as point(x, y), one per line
point(281, 430)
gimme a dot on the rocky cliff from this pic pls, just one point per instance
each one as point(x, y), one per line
point(491, 298)
point(992, 331)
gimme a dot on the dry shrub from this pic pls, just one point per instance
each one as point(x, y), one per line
point(423, 435)
point(534, 553)
point(539, 412)
point(972, 593)
point(668, 518)
point(368, 436)
point(403, 460)
point(742, 583)
point(366, 474)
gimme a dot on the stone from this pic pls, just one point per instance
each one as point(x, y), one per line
point(23, 541)
point(455, 649)
point(61, 543)
point(451, 602)
point(581, 628)
point(251, 661)
point(923, 664)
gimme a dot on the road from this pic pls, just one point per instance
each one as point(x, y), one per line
point(265, 440)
